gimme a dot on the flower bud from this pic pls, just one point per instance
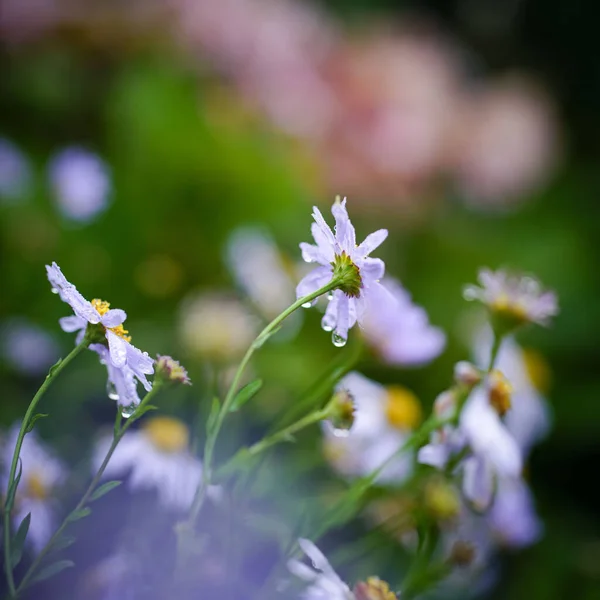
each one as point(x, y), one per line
point(441, 499)
point(467, 374)
point(341, 410)
point(373, 589)
point(462, 554)
point(169, 370)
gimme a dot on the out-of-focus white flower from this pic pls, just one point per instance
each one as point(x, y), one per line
point(512, 298)
point(383, 420)
point(495, 453)
point(156, 457)
point(28, 348)
point(42, 474)
point(399, 330)
point(15, 172)
point(123, 359)
point(216, 326)
point(508, 142)
point(325, 583)
point(339, 256)
point(512, 517)
point(258, 268)
point(80, 182)
point(529, 418)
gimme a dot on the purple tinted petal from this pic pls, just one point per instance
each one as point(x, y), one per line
point(372, 269)
point(435, 455)
point(118, 349)
point(323, 227)
point(74, 323)
point(478, 482)
point(372, 241)
point(330, 318)
point(141, 364)
point(323, 242)
point(343, 318)
point(113, 317)
point(344, 230)
point(316, 279)
point(311, 253)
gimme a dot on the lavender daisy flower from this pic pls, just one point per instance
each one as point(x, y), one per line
point(398, 329)
point(513, 300)
point(325, 583)
point(81, 183)
point(15, 172)
point(120, 354)
point(339, 257)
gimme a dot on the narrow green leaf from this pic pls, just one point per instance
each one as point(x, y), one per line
point(64, 541)
point(214, 413)
point(31, 423)
point(53, 569)
point(104, 489)
point(53, 368)
point(79, 514)
point(245, 394)
point(12, 488)
point(18, 542)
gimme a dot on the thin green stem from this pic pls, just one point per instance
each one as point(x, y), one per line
point(119, 432)
point(52, 374)
point(233, 388)
point(494, 351)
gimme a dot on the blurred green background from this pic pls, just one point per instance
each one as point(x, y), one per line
point(183, 118)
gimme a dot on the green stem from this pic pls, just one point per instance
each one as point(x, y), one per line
point(52, 374)
point(119, 432)
point(233, 388)
point(494, 352)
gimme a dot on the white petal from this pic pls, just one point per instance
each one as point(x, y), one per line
point(323, 242)
point(435, 455)
point(312, 253)
point(118, 349)
point(478, 482)
point(372, 269)
point(324, 228)
point(344, 230)
point(372, 241)
point(316, 279)
point(113, 317)
point(74, 323)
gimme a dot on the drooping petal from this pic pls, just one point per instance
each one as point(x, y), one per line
point(118, 349)
point(312, 253)
point(316, 279)
point(74, 323)
point(344, 230)
point(372, 269)
point(478, 482)
point(372, 241)
point(141, 364)
point(113, 317)
point(435, 455)
point(330, 318)
point(343, 318)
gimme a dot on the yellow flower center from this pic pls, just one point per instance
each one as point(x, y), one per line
point(102, 307)
point(537, 369)
point(35, 487)
point(373, 589)
point(505, 307)
point(167, 434)
point(500, 392)
point(402, 409)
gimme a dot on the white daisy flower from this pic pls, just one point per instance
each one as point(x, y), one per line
point(399, 329)
point(339, 256)
point(383, 420)
point(258, 268)
point(81, 183)
point(529, 417)
point(42, 474)
point(120, 354)
point(325, 583)
point(513, 299)
point(157, 457)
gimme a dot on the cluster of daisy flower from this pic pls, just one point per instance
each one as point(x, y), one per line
point(463, 465)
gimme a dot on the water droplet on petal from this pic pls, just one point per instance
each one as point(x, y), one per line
point(307, 305)
point(111, 390)
point(54, 290)
point(326, 324)
point(338, 340)
point(340, 433)
point(127, 411)
point(330, 296)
